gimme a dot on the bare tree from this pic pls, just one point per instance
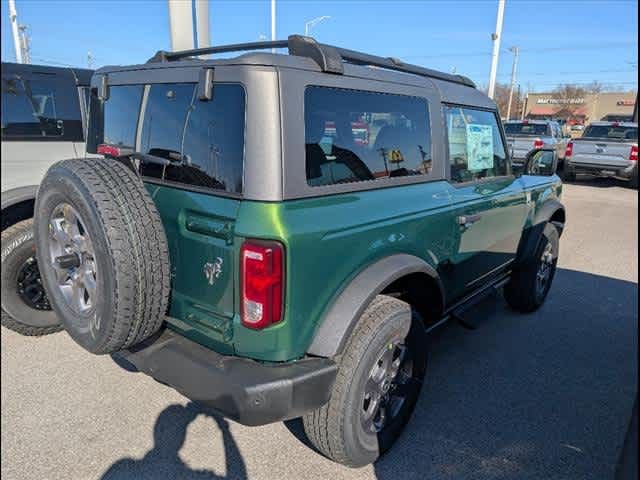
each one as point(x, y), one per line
point(568, 98)
point(501, 97)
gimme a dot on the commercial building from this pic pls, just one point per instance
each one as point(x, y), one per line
point(591, 107)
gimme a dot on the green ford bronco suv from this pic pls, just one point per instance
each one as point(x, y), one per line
point(273, 235)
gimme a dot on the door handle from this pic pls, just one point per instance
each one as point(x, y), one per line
point(468, 220)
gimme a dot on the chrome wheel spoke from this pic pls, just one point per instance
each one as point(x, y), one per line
point(72, 256)
point(77, 295)
point(90, 285)
point(373, 386)
point(59, 233)
point(62, 274)
point(400, 354)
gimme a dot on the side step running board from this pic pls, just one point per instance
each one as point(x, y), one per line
point(456, 310)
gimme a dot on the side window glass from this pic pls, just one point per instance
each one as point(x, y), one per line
point(355, 136)
point(476, 149)
point(41, 107)
point(17, 112)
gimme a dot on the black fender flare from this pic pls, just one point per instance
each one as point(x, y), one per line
point(341, 317)
point(18, 195)
point(531, 235)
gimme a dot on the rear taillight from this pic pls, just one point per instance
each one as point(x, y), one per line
point(569, 150)
point(108, 150)
point(538, 143)
point(633, 154)
point(261, 283)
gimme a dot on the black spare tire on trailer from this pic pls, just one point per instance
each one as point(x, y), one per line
point(102, 253)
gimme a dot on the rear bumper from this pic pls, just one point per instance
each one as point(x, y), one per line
point(250, 392)
point(627, 171)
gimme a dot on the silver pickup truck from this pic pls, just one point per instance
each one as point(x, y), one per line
point(606, 149)
point(524, 136)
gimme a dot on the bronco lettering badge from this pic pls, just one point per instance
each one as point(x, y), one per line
point(213, 270)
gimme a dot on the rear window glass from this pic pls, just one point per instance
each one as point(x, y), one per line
point(203, 141)
point(120, 116)
point(526, 129)
point(611, 132)
point(40, 107)
point(355, 136)
point(182, 140)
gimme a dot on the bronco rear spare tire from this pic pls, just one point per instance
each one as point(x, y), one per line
point(102, 253)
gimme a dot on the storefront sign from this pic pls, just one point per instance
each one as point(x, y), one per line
point(556, 101)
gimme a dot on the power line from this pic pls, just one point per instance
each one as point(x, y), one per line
point(600, 46)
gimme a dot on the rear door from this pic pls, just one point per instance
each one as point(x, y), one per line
point(489, 203)
point(190, 154)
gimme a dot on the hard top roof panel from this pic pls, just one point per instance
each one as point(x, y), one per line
point(304, 53)
point(82, 76)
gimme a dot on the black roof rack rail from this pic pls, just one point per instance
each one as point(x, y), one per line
point(329, 58)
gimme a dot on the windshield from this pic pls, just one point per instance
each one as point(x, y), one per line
point(612, 132)
point(536, 129)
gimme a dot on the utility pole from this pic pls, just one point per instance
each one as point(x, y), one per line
point(273, 23)
point(524, 107)
point(496, 49)
point(13, 16)
point(516, 52)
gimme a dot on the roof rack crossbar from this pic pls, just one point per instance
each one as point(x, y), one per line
point(164, 56)
point(328, 57)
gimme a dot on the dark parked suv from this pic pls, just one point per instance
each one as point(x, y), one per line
point(273, 235)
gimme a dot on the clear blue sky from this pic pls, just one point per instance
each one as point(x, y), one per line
point(560, 41)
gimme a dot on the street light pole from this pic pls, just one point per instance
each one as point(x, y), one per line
point(312, 23)
point(13, 16)
point(273, 23)
point(516, 52)
point(496, 49)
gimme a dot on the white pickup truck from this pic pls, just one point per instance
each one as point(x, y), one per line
point(606, 149)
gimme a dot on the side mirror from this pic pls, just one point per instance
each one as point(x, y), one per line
point(541, 162)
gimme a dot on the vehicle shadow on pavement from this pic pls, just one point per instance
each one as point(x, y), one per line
point(541, 395)
point(163, 461)
point(598, 182)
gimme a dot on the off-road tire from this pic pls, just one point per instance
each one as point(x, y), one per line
point(521, 292)
point(334, 429)
point(18, 247)
point(131, 253)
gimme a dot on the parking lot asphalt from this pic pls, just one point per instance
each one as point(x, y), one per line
point(545, 395)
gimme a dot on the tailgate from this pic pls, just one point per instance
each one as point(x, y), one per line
point(199, 230)
point(601, 152)
point(520, 146)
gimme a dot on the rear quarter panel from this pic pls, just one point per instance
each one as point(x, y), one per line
point(329, 240)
